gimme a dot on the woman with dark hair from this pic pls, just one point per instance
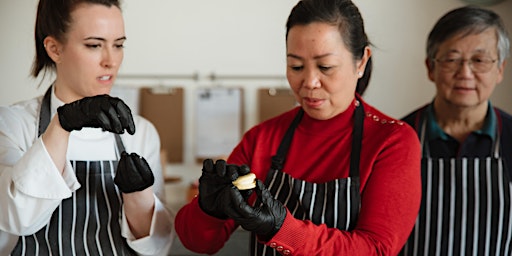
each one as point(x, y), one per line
point(68, 185)
point(335, 176)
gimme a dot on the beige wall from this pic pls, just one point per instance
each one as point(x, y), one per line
point(244, 37)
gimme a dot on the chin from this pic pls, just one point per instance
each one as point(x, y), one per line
point(317, 114)
point(104, 90)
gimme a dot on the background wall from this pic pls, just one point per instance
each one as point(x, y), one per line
point(242, 37)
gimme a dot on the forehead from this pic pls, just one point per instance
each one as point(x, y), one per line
point(471, 43)
point(97, 20)
point(315, 37)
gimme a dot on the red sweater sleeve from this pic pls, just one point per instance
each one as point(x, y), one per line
point(200, 232)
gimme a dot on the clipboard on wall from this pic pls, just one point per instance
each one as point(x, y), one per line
point(274, 101)
point(163, 106)
point(218, 121)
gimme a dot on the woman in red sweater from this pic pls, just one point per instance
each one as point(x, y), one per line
point(335, 176)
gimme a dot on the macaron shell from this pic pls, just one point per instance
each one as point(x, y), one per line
point(245, 182)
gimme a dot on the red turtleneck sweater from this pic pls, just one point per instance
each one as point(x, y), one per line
point(320, 152)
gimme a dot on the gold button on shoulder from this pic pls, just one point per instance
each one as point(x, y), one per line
point(286, 252)
point(279, 249)
point(273, 245)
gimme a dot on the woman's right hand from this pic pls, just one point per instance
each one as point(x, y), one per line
point(101, 111)
point(214, 179)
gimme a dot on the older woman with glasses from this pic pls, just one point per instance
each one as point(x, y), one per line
point(467, 154)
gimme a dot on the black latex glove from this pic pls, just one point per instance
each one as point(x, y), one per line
point(215, 178)
point(133, 173)
point(264, 220)
point(101, 111)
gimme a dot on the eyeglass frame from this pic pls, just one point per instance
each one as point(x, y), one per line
point(461, 61)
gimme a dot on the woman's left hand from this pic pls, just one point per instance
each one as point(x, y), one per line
point(133, 173)
point(264, 220)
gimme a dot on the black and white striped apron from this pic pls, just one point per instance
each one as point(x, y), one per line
point(335, 203)
point(465, 208)
point(87, 223)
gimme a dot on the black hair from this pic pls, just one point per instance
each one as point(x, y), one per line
point(346, 16)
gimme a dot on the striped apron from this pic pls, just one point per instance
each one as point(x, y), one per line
point(465, 209)
point(335, 203)
point(87, 223)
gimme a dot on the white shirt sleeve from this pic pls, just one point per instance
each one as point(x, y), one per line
point(31, 186)
point(160, 236)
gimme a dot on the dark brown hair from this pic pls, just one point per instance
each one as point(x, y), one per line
point(53, 19)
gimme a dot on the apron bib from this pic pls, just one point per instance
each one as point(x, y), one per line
point(87, 223)
point(335, 203)
point(465, 208)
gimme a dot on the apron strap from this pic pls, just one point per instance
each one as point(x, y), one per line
point(45, 112)
point(278, 159)
point(357, 139)
point(120, 146)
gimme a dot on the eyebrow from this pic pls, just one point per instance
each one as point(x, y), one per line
point(477, 51)
point(290, 55)
point(103, 39)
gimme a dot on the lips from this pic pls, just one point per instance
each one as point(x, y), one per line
point(104, 78)
point(313, 102)
point(464, 88)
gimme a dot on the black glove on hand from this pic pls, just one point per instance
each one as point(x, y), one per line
point(101, 111)
point(264, 220)
point(133, 173)
point(213, 180)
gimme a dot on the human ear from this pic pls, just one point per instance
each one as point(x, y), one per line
point(52, 47)
point(364, 59)
point(501, 68)
point(430, 69)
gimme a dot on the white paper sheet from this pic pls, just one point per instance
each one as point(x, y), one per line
point(218, 121)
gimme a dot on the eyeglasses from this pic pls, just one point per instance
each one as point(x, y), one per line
point(477, 64)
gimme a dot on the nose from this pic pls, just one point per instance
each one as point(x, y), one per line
point(107, 59)
point(465, 67)
point(311, 79)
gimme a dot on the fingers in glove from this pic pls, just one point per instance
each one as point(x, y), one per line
point(133, 173)
point(143, 168)
point(243, 170)
point(220, 167)
point(231, 206)
point(119, 116)
point(106, 121)
point(208, 166)
point(113, 119)
point(237, 208)
point(263, 193)
point(125, 117)
point(232, 171)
